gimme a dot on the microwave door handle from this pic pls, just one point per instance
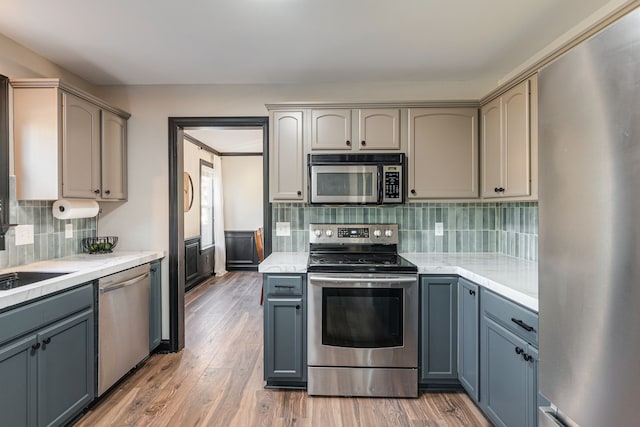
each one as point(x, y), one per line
point(380, 184)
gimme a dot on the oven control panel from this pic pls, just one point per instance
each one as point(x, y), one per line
point(353, 233)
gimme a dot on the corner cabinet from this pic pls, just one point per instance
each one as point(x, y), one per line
point(67, 143)
point(509, 144)
point(437, 357)
point(287, 164)
point(367, 129)
point(509, 355)
point(285, 325)
point(47, 359)
point(468, 337)
point(443, 153)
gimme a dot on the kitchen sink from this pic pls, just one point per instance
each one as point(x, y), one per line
point(22, 278)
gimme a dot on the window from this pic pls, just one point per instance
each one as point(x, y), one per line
point(206, 205)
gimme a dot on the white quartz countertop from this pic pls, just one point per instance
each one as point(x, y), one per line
point(510, 277)
point(83, 268)
point(285, 262)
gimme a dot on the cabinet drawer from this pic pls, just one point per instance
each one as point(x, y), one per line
point(512, 316)
point(283, 284)
point(21, 320)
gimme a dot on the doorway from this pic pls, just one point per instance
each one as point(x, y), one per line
point(177, 127)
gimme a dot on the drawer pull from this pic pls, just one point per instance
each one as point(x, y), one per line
point(284, 286)
point(522, 324)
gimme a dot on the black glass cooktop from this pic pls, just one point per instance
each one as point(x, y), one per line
point(359, 263)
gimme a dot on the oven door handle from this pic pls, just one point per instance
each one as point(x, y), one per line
point(385, 279)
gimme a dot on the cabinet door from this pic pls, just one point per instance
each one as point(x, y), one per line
point(506, 376)
point(18, 378)
point(468, 335)
point(80, 148)
point(443, 153)
point(438, 314)
point(284, 334)
point(287, 177)
point(155, 306)
point(491, 149)
point(114, 157)
point(66, 368)
point(331, 130)
point(379, 129)
point(516, 146)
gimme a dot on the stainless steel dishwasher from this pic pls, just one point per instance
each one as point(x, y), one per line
point(123, 324)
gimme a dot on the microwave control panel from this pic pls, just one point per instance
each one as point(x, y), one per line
point(392, 182)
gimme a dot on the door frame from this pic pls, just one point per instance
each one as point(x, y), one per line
point(177, 125)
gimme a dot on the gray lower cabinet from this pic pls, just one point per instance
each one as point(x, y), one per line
point(285, 324)
point(468, 336)
point(509, 367)
point(438, 331)
point(155, 306)
point(47, 359)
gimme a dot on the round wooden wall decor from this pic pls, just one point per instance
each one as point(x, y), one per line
point(188, 192)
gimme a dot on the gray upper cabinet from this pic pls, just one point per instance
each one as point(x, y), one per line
point(443, 153)
point(379, 129)
point(80, 148)
point(114, 156)
point(287, 165)
point(508, 167)
point(438, 330)
point(468, 336)
point(372, 129)
point(331, 130)
point(67, 143)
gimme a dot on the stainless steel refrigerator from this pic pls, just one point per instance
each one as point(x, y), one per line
point(589, 241)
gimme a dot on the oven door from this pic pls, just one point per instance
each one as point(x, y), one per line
point(344, 184)
point(363, 320)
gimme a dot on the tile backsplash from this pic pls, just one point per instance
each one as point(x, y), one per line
point(49, 233)
point(508, 228)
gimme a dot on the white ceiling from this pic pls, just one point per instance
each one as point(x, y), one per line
point(230, 140)
point(134, 42)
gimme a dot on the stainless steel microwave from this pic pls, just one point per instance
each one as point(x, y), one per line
point(374, 179)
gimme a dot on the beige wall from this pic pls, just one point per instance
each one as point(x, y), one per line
point(242, 192)
point(19, 62)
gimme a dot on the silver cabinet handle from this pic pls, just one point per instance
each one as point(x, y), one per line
point(124, 284)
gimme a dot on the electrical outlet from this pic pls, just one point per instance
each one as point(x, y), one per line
point(68, 231)
point(283, 229)
point(24, 234)
point(439, 229)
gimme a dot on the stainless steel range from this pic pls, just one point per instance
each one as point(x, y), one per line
point(363, 313)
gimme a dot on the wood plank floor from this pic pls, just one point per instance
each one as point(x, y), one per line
point(216, 380)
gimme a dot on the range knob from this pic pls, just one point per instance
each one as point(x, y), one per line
point(388, 233)
point(329, 233)
point(318, 233)
point(377, 232)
